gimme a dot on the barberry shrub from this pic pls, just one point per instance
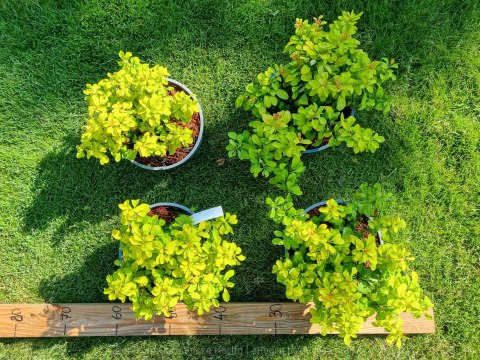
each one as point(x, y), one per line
point(135, 112)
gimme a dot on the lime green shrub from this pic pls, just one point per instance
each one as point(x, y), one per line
point(336, 260)
point(164, 263)
point(307, 102)
point(134, 112)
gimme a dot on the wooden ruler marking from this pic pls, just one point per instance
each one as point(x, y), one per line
point(65, 320)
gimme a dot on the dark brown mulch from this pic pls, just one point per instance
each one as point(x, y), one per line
point(175, 89)
point(314, 212)
point(164, 212)
point(362, 227)
point(157, 161)
point(181, 153)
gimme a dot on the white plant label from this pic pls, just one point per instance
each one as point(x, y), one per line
point(206, 215)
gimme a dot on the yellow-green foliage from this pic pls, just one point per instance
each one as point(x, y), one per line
point(327, 76)
point(166, 263)
point(334, 260)
point(132, 112)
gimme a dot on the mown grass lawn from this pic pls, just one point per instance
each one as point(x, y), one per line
point(57, 212)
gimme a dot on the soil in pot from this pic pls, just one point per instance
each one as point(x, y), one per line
point(314, 212)
point(166, 213)
point(181, 153)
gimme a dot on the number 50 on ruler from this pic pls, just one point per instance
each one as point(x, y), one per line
point(49, 320)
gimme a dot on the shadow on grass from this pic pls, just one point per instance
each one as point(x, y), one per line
point(189, 347)
point(75, 191)
point(75, 194)
point(86, 285)
point(84, 191)
point(63, 45)
point(338, 172)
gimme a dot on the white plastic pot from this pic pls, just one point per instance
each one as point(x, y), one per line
point(197, 142)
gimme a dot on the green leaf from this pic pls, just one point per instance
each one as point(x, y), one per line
point(303, 100)
point(142, 281)
point(256, 140)
point(229, 274)
point(226, 295)
point(239, 101)
point(341, 103)
point(305, 70)
point(282, 94)
point(266, 101)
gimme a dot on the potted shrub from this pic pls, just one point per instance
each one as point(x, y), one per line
point(139, 114)
point(308, 104)
point(167, 259)
point(335, 258)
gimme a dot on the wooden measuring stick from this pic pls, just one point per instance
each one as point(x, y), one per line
point(111, 319)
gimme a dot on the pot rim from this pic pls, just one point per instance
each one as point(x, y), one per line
point(339, 202)
point(171, 204)
point(321, 203)
point(195, 146)
point(326, 146)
